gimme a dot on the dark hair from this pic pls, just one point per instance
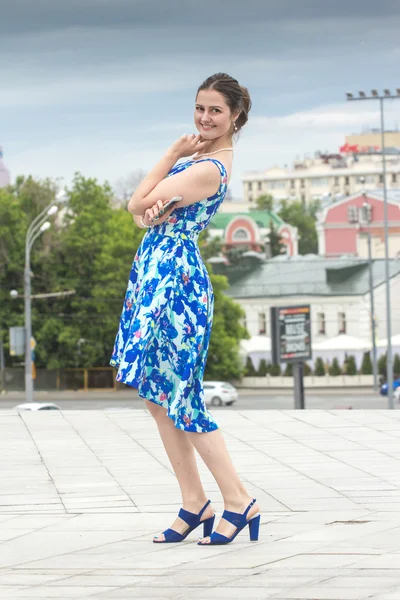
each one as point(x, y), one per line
point(237, 96)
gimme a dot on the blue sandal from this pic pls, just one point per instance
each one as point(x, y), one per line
point(193, 521)
point(240, 521)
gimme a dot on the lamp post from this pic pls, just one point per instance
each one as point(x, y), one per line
point(35, 229)
point(366, 217)
point(382, 97)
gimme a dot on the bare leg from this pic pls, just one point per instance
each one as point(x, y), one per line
point(212, 449)
point(180, 451)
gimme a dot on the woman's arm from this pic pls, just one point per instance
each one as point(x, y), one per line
point(184, 146)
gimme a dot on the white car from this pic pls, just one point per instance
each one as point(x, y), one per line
point(218, 393)
point(37, 406)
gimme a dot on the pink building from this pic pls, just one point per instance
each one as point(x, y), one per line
point(343, 226)
point(4, 172)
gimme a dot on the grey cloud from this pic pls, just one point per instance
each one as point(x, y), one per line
point(29, 16)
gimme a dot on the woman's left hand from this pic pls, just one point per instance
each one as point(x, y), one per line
point(187, 145)
point(156, 214)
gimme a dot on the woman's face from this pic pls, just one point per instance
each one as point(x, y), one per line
point(212, 115)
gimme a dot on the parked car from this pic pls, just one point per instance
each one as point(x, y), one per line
point(218, 393)
point(37, 406)
point(384, 387)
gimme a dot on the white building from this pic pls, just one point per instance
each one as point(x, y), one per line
point(336, 289)
point(329, 175)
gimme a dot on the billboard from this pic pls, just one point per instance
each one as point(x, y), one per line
point(291, 333)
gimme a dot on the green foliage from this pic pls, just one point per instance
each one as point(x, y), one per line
point(288, 370)
point(351, 366)
point(396, 365)
point(319, 368)
point(307, 369)
point(304, 218)
point(250, 370)
point(382, 360)
point(275, 370)
point(264, 202)
point(223, 354)
point(334, 368)
point(366, 365)
point(276, 246)
point(209, 246)
point(262, 368)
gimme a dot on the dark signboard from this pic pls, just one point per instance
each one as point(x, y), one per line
point(291, 333)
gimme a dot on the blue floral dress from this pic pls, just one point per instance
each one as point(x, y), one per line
point(164, 332)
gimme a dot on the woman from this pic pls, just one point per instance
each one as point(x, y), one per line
point(162, 343)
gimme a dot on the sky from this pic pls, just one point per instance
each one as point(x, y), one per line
point(103, 87)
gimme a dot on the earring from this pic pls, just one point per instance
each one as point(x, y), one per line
point(235, 128)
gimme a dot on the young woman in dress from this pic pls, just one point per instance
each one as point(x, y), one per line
point(162, 342)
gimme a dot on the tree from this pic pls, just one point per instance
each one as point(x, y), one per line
point(264, 202)
point(382, 361)
point(304, 218)
point(319, 369)
point(366, 365)
point(306, 369)
point(262, 368)
point(276, 246)
point(275, 370)
point(288, 370)
point(351, 367)
point(396, 365)
point(250, 370)
point(223, 355)
point(126, 186)
point(209, 246)
point(334, 368)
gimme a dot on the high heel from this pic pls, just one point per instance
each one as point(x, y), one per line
point(240, 521)
point(254, 528)
point(193, 521)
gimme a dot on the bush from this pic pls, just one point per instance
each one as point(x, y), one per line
point(249, 369)
point(351, 367)
point(319, 369)
point(382, 365)
point(275, 370)
point(289, 370)
point(366, 365)
point(396, 366)
point(262, 368)
point(334, 368)
point(306, 369)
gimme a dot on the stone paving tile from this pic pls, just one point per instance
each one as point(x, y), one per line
point(85, 491)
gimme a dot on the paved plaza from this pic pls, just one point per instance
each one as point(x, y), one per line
point(83, 492)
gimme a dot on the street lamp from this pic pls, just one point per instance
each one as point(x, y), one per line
point(35, 229)
point(381, 97)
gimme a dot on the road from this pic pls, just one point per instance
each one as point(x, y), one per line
point(248, 400)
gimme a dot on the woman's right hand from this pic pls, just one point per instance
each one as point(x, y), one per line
point(187, 145)
point(156, 215)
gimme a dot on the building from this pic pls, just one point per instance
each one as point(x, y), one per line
point(343, 226)
point(4, 173)
point(251, 229)
point(337, 290)
point(371, 139)
point(334, 175)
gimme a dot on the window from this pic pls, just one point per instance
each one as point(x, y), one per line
point(337, 180)
point(302, 183)
point(262, 323)
point(347, 180)
point(365, 179)
point(259, 185)
point(365, 213)
point(319, 182)
point(352, 214)
point(250, 198)
point(380, 178)
point(240, 235)
point(394, 177)
point(276, 185)
point(342, 322)
point(244, 322)
point(249, 186)
point(321, 323)
point(292, 184)
point(303, 200)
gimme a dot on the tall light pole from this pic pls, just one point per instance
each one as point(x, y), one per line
point(381, 97)
point(35, 229)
